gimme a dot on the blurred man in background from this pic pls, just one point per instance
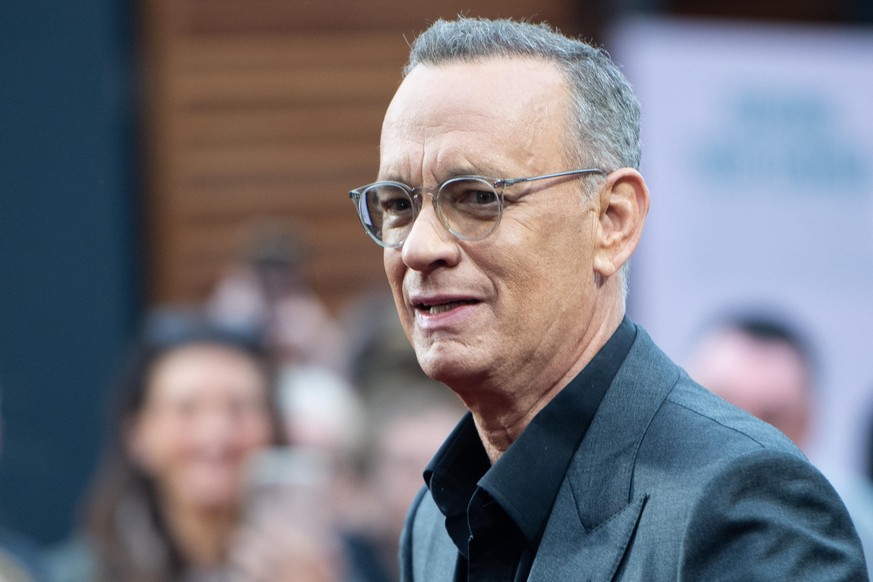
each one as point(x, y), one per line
point(761, 364)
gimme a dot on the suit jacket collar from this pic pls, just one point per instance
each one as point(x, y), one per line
point(526, 480)
point(597, 509)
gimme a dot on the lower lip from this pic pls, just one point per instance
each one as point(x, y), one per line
point(433, 321)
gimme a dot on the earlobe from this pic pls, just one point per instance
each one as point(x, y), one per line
point(624, 203)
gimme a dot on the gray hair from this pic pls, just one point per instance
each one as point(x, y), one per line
point(606, 113)
point(606, 116)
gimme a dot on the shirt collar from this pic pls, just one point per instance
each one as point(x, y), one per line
point(526, 479)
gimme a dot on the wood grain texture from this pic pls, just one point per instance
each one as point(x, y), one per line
point(268, 112)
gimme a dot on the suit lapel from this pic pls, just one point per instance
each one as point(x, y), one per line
point(596, 511)
point(574, 553)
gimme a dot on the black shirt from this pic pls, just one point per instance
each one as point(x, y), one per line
point(496, 515)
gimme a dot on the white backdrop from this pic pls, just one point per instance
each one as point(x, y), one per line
point(758, 150)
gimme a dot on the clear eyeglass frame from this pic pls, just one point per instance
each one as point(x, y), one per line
point(387, 209)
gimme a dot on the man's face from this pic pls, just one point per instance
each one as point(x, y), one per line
point(768, 379)
point(511, 310)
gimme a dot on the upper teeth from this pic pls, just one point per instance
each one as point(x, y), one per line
point(442, 307)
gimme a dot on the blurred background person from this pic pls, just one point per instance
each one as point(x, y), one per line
point(380, 361)
point(196, 403)
point(407, 417)
point(759, 362)
point(868, 445)
point(21, 559)
point(266, 292)
point(404, 433)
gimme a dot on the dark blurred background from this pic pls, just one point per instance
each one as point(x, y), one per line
point(142, 142)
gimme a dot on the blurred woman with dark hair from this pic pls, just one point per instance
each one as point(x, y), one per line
point(168, 505)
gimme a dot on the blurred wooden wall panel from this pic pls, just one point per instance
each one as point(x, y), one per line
point(269, 111)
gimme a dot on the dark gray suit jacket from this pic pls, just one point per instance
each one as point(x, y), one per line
point(672, 483)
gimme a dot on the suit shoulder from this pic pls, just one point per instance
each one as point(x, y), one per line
point(654, 400)
point(700, 419)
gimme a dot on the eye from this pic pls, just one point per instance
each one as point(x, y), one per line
point(470, 193)
point(481, 197)
point(474, 198)
point(388, 203)
point(396, 205)
point(390, 200)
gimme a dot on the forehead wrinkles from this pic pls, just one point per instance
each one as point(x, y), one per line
point(478, 117)
point(426, 154)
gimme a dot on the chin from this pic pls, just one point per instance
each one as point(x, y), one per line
point(452, 369)
point(216, 499)
point(214, 494)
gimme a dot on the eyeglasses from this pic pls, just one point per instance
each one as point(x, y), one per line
point(469, 207)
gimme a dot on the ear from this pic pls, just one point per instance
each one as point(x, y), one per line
point(624, 203)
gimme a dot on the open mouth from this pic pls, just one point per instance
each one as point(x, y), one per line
point(442, 307)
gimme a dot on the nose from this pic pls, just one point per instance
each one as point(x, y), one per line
point(429, 244)
point(215, 427)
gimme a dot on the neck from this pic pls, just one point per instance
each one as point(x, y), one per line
point(502, 413)
point(499, 425)
point(202, 535)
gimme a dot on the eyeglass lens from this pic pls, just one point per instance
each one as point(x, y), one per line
point(468, 207)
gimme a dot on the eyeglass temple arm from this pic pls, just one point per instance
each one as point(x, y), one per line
point(511, 181)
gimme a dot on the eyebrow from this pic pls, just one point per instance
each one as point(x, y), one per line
point(469, 168)
point(482, 170)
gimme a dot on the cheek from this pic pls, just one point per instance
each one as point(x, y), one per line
point(255, 434)
point(567, 252)
point(394, 268)
point(395, 271)
point(546, 268)
point(161, 446)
